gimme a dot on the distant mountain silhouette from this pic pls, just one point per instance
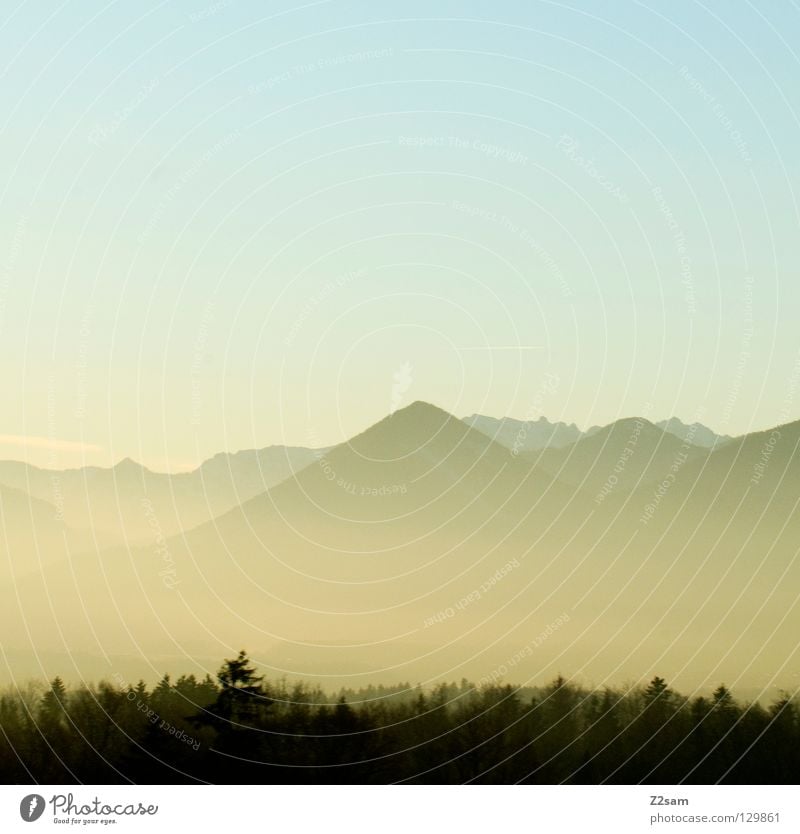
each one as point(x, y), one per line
point(534, 435)
point(626, 454)
point(525, 435)
point(422, 548)
point(695, 433)
point(130, 503)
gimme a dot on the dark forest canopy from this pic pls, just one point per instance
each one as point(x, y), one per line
point(240, 727)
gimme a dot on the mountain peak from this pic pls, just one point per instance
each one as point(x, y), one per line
point(524, 435)
point(417, 418)
point(418, 427)
point(695, 433)
point(127, 465)
point(420, 408)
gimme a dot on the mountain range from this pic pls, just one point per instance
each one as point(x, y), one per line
point(533, 435)
point(424, 548)
point(112, 505)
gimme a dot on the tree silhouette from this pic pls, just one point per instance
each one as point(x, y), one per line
point(242, 699)
point(656, 689)
point(52, 711)
point(241, 729)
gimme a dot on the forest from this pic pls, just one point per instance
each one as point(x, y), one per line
point(241, 728)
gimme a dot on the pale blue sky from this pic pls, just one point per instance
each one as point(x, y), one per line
point(230, 224)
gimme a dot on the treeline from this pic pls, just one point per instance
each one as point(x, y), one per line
point(240, 728)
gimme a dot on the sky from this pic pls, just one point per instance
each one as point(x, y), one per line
point(230, 224)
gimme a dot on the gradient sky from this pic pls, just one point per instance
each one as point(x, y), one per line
point(225, 225)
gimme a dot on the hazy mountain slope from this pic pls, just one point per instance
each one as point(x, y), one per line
point(422, 549)
point(131, 503)
point(231, 478)
point(525, 435)
point(361, 546)
point(419, 472)
point(621, 456)
point(719, 561)
point(756, 476)
point(31, 533)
